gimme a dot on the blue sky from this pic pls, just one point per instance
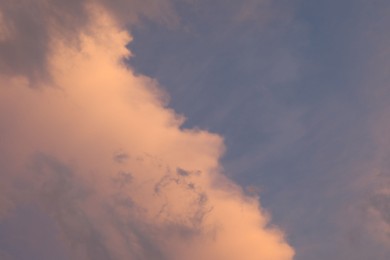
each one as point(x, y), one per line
point(299, 92)
point(289, 89)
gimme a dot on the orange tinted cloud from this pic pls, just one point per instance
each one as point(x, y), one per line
point(103, 156)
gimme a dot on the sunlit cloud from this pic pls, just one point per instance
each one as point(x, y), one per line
point(94, 146)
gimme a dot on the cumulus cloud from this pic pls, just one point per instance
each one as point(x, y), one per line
point(27, 28)
point(97, 150)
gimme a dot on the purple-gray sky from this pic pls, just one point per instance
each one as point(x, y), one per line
point(110, 155)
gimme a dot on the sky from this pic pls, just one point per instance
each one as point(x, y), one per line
point(194, 129)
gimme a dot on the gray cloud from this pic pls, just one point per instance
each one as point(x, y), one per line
point(29, 26)
point(381, 203)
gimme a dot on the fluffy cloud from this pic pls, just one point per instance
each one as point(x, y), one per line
point(97, 150)
point(28, 27)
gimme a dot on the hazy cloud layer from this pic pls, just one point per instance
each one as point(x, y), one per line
point(101, 157)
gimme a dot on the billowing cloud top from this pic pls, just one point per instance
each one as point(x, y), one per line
point(93, 146)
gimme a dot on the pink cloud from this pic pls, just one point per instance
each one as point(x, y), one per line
point(164, 198)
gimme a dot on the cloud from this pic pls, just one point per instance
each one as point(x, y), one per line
point(97, 150)
point(27, 28)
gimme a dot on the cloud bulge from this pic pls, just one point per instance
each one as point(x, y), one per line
point(96, 149)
